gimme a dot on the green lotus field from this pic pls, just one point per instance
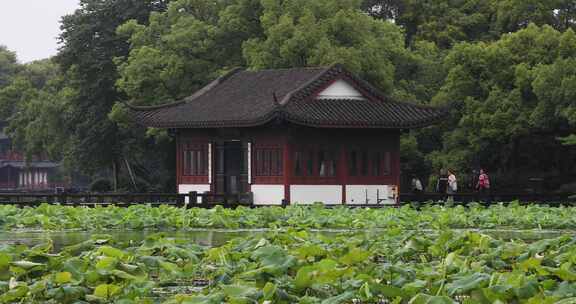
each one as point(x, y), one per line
point(54, 217)
point(403, 255)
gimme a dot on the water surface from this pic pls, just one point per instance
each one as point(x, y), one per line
point(217, 237)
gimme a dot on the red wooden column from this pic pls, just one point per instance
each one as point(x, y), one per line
point(396, 155)
point(287, 155)
point(342, 171)
point(179, 152)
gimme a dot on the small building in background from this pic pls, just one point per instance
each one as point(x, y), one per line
point(303, 135)
point(19, 174)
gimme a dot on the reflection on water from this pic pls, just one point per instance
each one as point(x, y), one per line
point(65, 238)
point(218, 237)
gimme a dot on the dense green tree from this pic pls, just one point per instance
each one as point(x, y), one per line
point(511, 85)
point(443, 22)
point(511, 95)
point(24, 83)
point(185, 47)
point(89, 45)
point(8, 65)
point(447, 22)
point(316, 33)
point(420, 74)
point(33, 105)
point(513, 15)
point(16, 91)
point(36, 120)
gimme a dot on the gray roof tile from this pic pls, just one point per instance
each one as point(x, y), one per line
point(251, 98)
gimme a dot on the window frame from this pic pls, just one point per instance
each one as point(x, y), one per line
point(268, 161)
point(200, 160)
point(365, 164)
point(308, 157)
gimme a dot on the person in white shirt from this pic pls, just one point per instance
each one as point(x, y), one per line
point(416, 185)
point(452, 185)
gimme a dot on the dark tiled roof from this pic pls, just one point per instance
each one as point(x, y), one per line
point(250, 98)
point(361, 113)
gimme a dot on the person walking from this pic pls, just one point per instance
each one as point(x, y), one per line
point(452, 186)
point(416, 185)
point(417, 188)
point(473, 181)
point(442, 184)
point(483, 186)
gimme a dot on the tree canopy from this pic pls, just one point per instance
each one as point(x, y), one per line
point(507, 69)
point(8, 65)
point(520, 86)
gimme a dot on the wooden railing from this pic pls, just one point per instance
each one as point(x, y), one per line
point(209, 200)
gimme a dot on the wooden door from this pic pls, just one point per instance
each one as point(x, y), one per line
point(231, 167)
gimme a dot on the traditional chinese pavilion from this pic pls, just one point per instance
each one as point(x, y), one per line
point(303, 135)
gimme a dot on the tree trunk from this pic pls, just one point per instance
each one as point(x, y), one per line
point(132, 178)
point(115, 176)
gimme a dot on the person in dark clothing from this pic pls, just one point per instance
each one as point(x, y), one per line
point(473, 180)
point(417, 188)
point(442, 184)
point(416, 184)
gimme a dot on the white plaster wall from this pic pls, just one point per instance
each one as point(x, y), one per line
point(340, 89)
point(186, 188)
point(308, 194)
point(357, 194)
point(268, 194)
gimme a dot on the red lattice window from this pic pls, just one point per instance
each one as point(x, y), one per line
point(195, 160)
point(268, 161)
point(368, 163)
point(316, 162)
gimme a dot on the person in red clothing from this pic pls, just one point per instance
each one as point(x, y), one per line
point(483, 185)
point(483, 182)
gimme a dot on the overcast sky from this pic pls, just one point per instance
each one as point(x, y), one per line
point(31, 27)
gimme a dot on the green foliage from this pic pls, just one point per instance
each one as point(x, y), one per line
point(8, 66)
point(317, 33)
point(34, 105)
point(507, 91)
point(89, 46)
point(394, 265)
point(569, 140)
point(413, 161)
point(140, 217)
point(499, 89)
point(447, 22)
point(183, 48)
point(25, 83)
point(507, 67)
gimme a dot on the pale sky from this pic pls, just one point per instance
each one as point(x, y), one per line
point(31, 27)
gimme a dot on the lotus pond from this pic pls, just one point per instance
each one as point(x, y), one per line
point(294, 266)
point(218, 237)
point(515, 254)
point(515, 216)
